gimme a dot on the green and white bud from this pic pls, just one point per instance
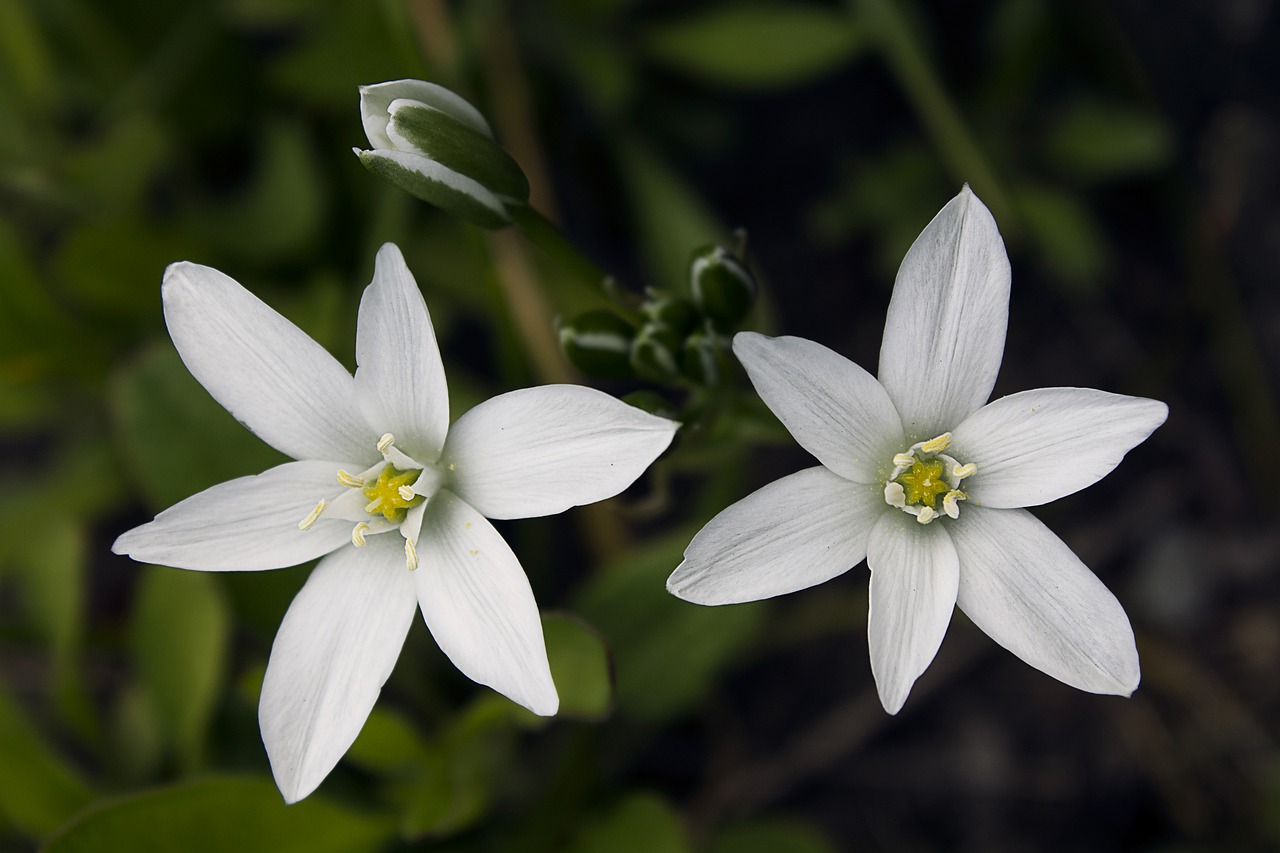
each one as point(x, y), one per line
point(655, 352)
point(721, 287)
point(434, 145)
point(700, 357)
point(675, 313)
point(599, 344)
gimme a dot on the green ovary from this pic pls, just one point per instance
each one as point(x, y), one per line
point(924, 482)
point(384, 494)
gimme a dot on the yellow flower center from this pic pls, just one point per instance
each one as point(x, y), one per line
point(391, 495)
point(924, 482)
point(921, 474)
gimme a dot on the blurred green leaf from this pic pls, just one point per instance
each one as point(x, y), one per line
point(388, 742)
point(757, 45)
point(672, 221)
point(642, 823)
point(580, 667)
point(50, 562)
point(181, 628)
point(24, 54)
point(1067, 239)
point(138, 736)
point(174, 437)
point(667, 652)
point(117, 169)
point(1096, 141)
point(113, 267)
point(219, 814)
point(38, 790)
point(771, 837)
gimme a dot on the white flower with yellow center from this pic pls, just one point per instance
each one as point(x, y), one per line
point(395, 497)
point(928, 484)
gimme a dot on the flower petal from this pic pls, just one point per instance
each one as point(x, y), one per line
point(790, 535)
point(1038, 446)
point(477, 602)
point(835, 409)
point(914, 577)
point(539, 451)
point(400, 379)
point(944, 334)
point(335, 649)
point(246, 524)
point(263, 369)
point(1030, 593)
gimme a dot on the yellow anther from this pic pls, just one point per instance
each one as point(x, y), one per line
point(903, 460)
point(937, 445)
point(949, 502)
point(306, 523)
point(349, 480)
point(895, 495)
point(926, 515)
point(406, 493)
point(410, 555)
point(962, 471)
point(384, 443)
point(357, 534)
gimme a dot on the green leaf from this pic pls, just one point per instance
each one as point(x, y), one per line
point(667, 652)
point(389, 743)
point(579, 666)
point(1066, 236)
point(219, 814)
point(181, 627)
point(757, 46)
point(642, 823)
point(773, 836)
point(50, 562)
point(38, 790)
point(114, 267)
point(174, 437)
point(1097, 142)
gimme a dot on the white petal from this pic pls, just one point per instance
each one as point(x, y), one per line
point(441, 185)
point(835, 409)
point(1022, 585)
point(790, 535)
point(539, 451)
point(914, 575)
point(376, 99)
point(477, 602)
point(944, 334)
point(245, 524)
point(335, 649)
point(263, 369)
point(400, 378)
point(1038, 446)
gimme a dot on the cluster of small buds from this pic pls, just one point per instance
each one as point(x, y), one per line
point(677, 338)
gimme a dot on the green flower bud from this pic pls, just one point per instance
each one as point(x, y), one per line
point(675, 313)
point(599, 344)
point(700, 357)
point(721, 287)
point(436, 146)
point(655, 352)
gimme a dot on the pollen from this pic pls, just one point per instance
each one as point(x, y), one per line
point(357, 534)
point(349, 480)
point(937, 445)
point(410, 554)
point(306, 523)
point(391, 495)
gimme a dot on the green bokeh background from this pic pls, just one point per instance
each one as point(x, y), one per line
point(1127, 152)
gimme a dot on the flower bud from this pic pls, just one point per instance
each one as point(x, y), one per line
point(655, 352)
point(700, 357)
point(434, 145)
point(721, 287)
point(599, 344)
point(677, 314)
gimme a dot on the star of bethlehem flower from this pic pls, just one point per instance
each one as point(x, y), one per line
point(928, 484)
point(390, 496)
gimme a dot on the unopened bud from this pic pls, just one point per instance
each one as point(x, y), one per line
point(599, 344)
point(721, 287)
point(434, 145)
point(675, 313)
point(655, 352)
point(700, 357)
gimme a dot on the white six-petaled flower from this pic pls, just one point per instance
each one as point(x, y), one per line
point(929, 484)
point(391, 497)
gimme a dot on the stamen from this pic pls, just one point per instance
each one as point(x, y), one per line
point(895, 495)
point(926, 515)
point(349, 480)
point(937, 445)
point(406, 493)
point(949, 502)
point(384, 443)
point(357, 535)
point(410, 555)
point(373, 506)
point(903, 460)
point(962, 471)
point(306, 523)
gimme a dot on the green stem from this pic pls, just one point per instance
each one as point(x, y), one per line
point(547, 237)
point(941, 119)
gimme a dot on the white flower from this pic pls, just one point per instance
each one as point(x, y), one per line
point(395, 497)
point(928, 484)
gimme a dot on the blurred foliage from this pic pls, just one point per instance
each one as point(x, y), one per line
point(133, 135)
